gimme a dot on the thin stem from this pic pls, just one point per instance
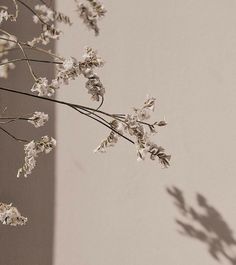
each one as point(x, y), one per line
point(104, 124)
point(88, 112)
point(12, 136)
point(141, 122)
point(29, 47)
point(44, 2)
point(54, 100)
point(100, 105)
point(27, 61)
point(35, 96)
point(91, 111)
point(76, 107)
point(14, 118)
point(42, 50)
point(31, 60)
point(102, 101)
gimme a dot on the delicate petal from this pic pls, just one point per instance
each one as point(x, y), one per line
point(38, 119)
point(46, 144)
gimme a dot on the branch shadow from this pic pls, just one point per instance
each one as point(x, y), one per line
point(206, 225)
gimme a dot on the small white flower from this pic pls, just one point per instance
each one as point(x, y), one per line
point(42, 87)
point(38, 119)
point(35, 19)
point(67, 71)
point(68, 64)
point(45, 13)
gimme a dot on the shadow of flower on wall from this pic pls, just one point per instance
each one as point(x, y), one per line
point(206, 225)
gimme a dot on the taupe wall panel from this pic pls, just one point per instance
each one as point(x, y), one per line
point(34, 197)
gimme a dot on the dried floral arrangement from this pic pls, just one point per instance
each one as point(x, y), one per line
point(133, 127)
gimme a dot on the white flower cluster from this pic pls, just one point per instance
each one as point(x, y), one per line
point(90, 13)
point(68, 70)
point(38, 119)
point(42, 87)
point(9, 215)
point(93, 83)
point(135, 126)
point(45, 145)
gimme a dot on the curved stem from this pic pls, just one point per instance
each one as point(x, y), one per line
point(27, 61)
point(16, 10)
point(42, 50)
point(114, 130)
point(12, 136)
point(76, 107)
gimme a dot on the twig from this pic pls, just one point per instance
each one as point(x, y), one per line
point(12, 136)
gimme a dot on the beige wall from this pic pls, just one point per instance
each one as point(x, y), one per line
point(111, 209)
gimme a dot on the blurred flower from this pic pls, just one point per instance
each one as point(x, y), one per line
point(3, 15)
point(90, 13)
point(4, 69)
point(6, 45)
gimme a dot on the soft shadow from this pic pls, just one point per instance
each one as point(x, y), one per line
point(206, 225)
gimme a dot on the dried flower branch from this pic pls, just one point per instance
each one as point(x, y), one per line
point(133, 127)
